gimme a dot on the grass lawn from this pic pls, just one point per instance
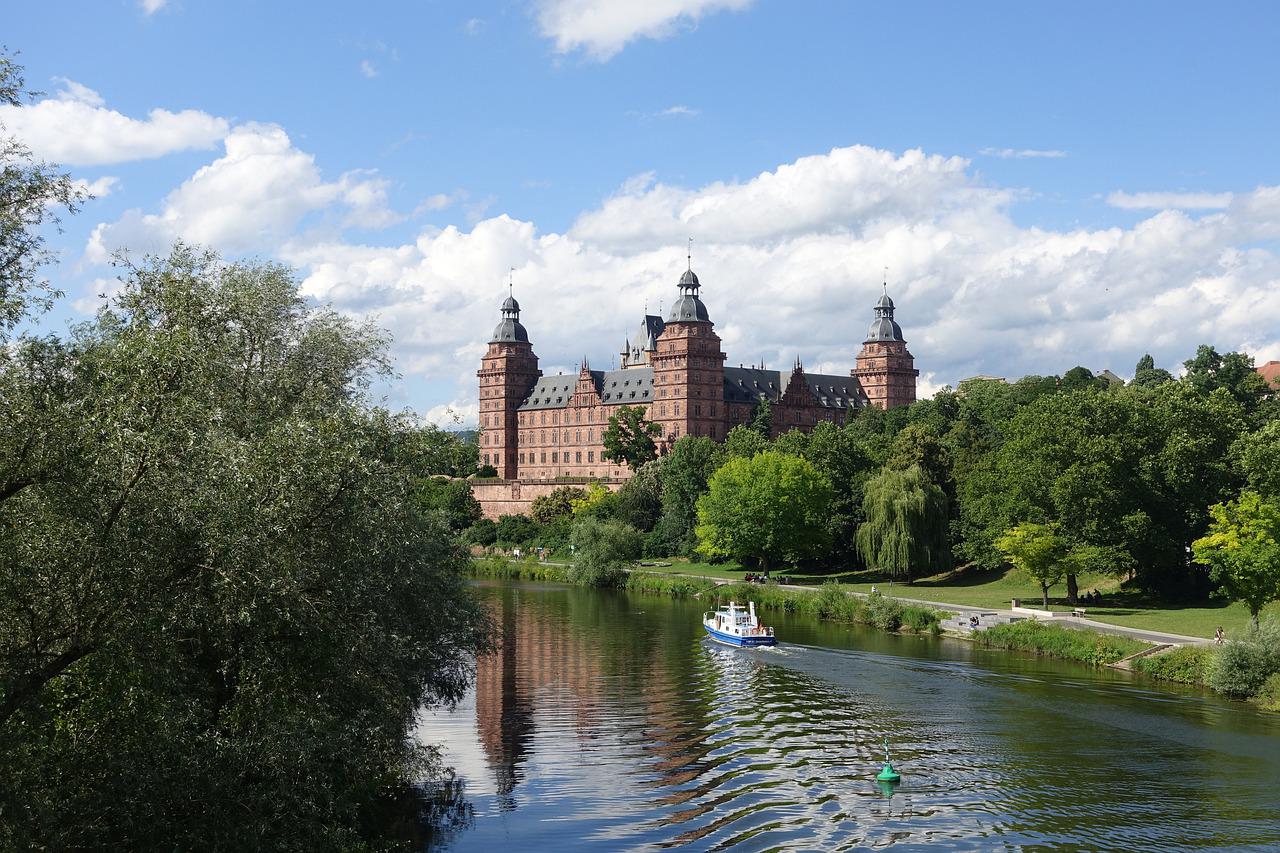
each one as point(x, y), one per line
point(997, 589)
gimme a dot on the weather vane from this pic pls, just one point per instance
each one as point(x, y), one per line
point(689, 256)
point(511, 281)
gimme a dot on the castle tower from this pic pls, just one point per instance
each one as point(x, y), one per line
point(506, 374)
point(688, 369)
point(885, 369)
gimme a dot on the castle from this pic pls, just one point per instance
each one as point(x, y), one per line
point(535, 429)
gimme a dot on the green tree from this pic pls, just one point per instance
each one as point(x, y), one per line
point(630, 439)
point(640, 499)
point(743, 442)
point(1147, 375)
point(221, 603)
point(517, 529)
point(1038, 552)
point(602, 550)
point(1242, 549)
point(770, 508)
point(1078, 378)
point(451, 497)
point(557, 504)
point(1258, 456)
point(32, 194)
point(684, 475)
point(1231, 371)
point(762, 417)
point(905, 532)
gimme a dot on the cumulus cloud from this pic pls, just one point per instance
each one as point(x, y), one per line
point(367, 69)
point(99, 187)
point(1023, 153)
point(251, 198)
point(1166, 200)
point(601, 28)
point(75, 128)
point(790, 260)
point(150, 7)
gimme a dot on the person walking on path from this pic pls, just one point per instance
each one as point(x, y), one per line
point(1218, 636)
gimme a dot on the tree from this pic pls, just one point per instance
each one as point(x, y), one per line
point(640, 498)
point(1036, 551)
point(770, 508)
point(1147, 375)
point(1232, 371)
point(517, 529)
point(684, 475)
point(31, 195)
point(744, 442)
point(762, 417)
point(630, 438)
point(453, 498)
point(221, 604)
point(559, 503)
point(1242, 549)
point(1258, 456)
point(1078, 378)
point(596, 502)
point(905, 531)
point(602, 551)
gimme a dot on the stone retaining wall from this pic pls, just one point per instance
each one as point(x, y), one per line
point(513, 497)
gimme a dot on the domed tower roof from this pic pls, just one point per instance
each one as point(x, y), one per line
point(883, 327)
point(509, 329)
point(688, 307)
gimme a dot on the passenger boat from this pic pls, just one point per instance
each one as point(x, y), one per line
point(735, 625)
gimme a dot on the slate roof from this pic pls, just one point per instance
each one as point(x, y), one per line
point(616, 387)
point(747, 384)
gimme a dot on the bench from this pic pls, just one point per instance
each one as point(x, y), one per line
point(1078, 611)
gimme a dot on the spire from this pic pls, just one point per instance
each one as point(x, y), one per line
point(689, 255)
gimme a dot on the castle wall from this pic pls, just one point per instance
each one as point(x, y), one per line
point(514, 497)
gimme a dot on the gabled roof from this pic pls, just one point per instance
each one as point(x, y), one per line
point(616, 388)
point(749, 384)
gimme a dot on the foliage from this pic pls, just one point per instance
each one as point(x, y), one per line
point(743, 442)
point(1036, 551)
point(833, 604)
point(596, 502)
point(1056, 641)
point(602, 551)
point(555, 505)
point(1268, 695)
point(221, 603)
point(31, 195)
point(1232, 372)
point(1242, 666)
point(762, 417)
point(483, 532)
point(517, 529)
point(453, 498)
point(525, 570)
point(1147, 375)
point(645, 583)
point(905, 531)
point(684, 475)
point(1258, 456)
point(769, 508)
point(639, 500)
point(1184, 664)
point(486, 472)
point(1243, 549)
point(630, 439)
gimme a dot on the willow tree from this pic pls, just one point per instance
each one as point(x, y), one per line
point(905, 531)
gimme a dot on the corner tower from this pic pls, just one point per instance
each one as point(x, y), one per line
point(688, 369)
point(885, 368)
point(506, 374)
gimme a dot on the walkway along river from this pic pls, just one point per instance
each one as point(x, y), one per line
point(606, 722)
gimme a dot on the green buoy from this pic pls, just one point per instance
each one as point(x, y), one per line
point(887, 773)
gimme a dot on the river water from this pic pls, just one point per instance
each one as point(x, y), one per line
point(607, 722)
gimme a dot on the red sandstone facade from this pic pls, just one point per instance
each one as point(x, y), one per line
point(536, 429)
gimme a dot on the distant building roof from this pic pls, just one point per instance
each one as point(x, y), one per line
point(616, 388)
point(749, 384)
point(1110, 377)
point(1270, 372)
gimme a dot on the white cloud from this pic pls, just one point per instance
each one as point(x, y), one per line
point(367, 69)
point(150, 7)
point(601, 28)
point(99, 188)
point(1167, 200)
point(473, 26)
point(790, 260)
point(251, 198)
point(75, 128)
point(680, 111)
point(1022, 153)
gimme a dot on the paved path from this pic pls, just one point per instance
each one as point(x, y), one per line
point(965, 610)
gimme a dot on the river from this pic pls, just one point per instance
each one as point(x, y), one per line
point(608, 723)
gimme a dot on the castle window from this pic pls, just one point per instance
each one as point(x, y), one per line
point(521, 458)
point(544, 457)
point(544, 417)
point(555, 456)
point(591, 456)
point(577, 457)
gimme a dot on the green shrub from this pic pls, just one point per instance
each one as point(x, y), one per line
point(1241, 667)
point(1269, 696)
point(1185, 664)
point(1056, 641)
point(602, 552)
point(529, 570)
point(483, 532)
point(884, 613)
point(921, 619)
point(647, 583)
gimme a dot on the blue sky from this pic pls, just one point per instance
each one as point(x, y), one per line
point(1080, 165)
